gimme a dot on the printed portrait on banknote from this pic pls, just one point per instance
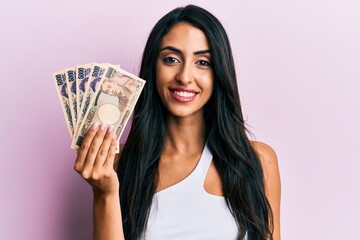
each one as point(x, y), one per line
point(113, 98)
point(122, 88)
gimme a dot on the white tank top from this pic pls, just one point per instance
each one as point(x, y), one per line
point(186, 211)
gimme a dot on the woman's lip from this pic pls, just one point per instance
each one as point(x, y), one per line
point(183, 95)
point(183, 90)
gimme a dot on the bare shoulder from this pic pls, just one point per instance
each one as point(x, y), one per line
point(271, 172)
point(266, 154)
point(269, 163)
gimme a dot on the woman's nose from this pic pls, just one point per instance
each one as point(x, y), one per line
point(185, 74)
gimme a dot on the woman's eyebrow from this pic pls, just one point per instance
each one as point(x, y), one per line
point(202, 52)
point(173, 49)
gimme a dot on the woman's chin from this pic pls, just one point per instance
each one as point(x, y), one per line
point(183, 113)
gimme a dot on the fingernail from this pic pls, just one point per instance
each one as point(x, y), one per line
point(95, 126)
point(111, 127)
point(103, 126)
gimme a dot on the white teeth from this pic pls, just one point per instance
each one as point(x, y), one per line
point(184, 94)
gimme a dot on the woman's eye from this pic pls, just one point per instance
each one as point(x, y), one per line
point(171, 60)
point(204, 63)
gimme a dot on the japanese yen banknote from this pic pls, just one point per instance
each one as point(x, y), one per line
point(102, 93)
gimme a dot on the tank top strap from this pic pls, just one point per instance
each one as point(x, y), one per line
point(203, 165)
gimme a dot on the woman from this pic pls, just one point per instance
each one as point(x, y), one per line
point(187, 170)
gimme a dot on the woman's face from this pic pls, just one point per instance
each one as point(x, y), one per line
point(184, 72)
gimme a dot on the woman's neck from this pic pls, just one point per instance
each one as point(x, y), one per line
point(185, 134)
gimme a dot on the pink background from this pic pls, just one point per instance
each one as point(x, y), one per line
point(298, 64)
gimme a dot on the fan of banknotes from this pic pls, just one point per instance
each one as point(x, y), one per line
point(102, 93)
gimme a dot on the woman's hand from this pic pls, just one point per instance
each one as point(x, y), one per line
point(95, 160)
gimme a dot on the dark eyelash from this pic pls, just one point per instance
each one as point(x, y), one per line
point(170, 60)
point(204, 63)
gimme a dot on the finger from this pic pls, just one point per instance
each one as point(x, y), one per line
point(109, 162)
point(96, 143)
point(104, 148)
point(93, 151)
point(84, 148)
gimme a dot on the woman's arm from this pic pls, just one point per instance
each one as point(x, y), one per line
point(95, 163)
point(272, 181)
point(107, 217)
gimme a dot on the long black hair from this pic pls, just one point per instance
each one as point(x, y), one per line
point(233, 156)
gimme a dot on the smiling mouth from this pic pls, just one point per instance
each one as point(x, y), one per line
point(183, 95)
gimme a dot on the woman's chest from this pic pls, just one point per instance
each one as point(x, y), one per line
point(173, 174)
point(190, 216)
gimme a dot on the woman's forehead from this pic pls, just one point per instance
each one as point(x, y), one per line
point(184, 36)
